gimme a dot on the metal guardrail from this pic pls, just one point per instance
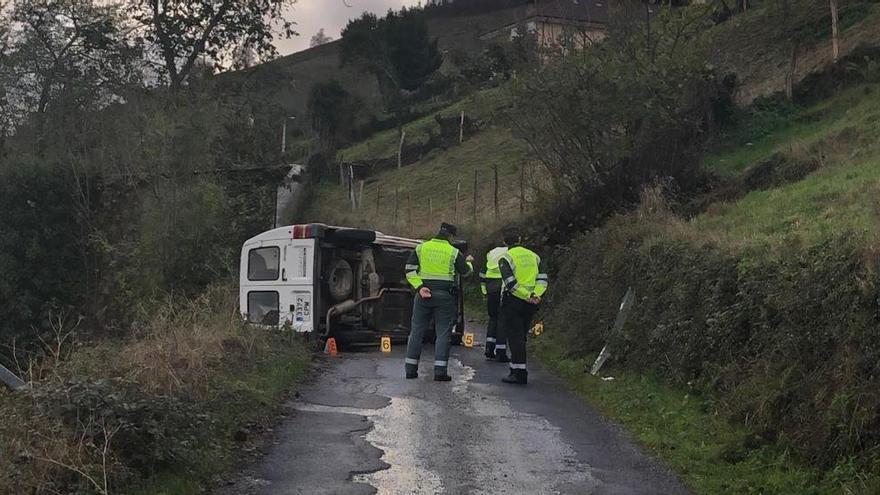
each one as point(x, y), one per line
point(10, 379)
point(622, 314)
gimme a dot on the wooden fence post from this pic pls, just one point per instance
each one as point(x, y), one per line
point(396, 203)
point(475, 195)
point(496, 191)
point(378, 196)
point(400, 149)
point(457, 199)
point(352, 191)
point(461, 129)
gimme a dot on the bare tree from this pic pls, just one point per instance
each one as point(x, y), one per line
point(72, 47)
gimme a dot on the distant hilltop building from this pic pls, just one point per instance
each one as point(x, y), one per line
point(557, 22)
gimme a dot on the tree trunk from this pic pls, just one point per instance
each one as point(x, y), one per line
point(835, 32)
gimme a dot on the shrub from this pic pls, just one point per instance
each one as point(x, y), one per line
point(163, 400)
point(619, 114)
point(41, 264)
point(788, 345)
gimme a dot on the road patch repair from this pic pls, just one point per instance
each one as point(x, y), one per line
point(361, 428)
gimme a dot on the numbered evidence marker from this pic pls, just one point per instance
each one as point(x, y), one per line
point(468, 339)
point(538, 329)
point(386, 344)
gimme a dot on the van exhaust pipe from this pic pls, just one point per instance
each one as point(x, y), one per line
point(350, 305)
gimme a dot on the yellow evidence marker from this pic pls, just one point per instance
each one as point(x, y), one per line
point(386, 344)
point(468, 339)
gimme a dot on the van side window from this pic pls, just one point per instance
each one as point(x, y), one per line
point(263, 263)
point(262, 307)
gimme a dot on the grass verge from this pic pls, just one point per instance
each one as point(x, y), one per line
point(712, 456)
point(166, 411)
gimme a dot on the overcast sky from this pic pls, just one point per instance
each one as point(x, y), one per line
point(332, 15)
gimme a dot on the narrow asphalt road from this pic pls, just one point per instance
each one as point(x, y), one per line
point(361, 428)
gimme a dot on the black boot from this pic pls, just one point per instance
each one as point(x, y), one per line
point(412, 371)
point(490, 350)
point(518, 377)
point(501, 356)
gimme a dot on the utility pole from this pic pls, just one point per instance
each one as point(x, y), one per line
point(284, 134)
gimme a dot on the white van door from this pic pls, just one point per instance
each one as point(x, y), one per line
point(298, 277)
point(277, 283)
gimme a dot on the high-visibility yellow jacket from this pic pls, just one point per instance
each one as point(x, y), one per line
point(523, 274)
point(491, 271)
point(435, 264)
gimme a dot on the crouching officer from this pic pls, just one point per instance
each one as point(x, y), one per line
point(432, 269)
point(525, 282)
point(490, 286)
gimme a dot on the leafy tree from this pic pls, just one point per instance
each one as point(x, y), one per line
point(633, 109)
point(331, 112)
point(320, 39)
point(71, 48)
point(396, 49)
point(184, 31)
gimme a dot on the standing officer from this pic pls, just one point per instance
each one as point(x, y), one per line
point(431, 270)
point(490, 286)
point(524, 284)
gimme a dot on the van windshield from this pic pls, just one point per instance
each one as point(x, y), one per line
point(263, 263)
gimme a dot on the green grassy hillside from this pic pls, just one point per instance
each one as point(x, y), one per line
point(424, 193)
point(835, 143)
point(755, 322)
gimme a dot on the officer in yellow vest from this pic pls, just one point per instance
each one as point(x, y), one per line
point(525, 282)
point(432, 270)
point(490, 286)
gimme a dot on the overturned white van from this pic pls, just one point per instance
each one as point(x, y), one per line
point(329, 281)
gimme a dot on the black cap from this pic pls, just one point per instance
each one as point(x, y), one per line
point(448, 228)
point(512, 235)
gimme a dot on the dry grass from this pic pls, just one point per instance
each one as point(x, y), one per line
point(190, 351)
point(183, 348)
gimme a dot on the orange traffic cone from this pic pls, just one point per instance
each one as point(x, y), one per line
point(330, 347)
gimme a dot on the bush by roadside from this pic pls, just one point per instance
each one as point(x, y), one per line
point(161, 412)
point(784, 344)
